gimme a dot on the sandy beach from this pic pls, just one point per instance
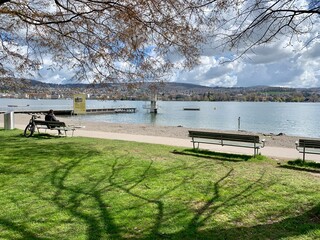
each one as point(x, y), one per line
point(178, 132)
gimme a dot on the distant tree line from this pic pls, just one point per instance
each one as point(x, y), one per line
point(166, 92)
point(249, 95)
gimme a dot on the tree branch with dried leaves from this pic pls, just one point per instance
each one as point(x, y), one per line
point(133, 40)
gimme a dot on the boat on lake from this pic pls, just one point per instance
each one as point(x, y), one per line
point(191, 108)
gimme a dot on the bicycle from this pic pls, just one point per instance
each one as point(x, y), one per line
point(31, 127)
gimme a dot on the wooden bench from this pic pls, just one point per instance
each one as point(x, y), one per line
point(310, 146)
point(227, 139)
point(53, 125)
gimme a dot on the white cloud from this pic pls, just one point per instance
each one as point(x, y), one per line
point(308, 62)
point(269, 54)
point(211, 72)
point(49, 74)
point(312, 52)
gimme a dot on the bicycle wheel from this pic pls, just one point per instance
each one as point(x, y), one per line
point(29, 130)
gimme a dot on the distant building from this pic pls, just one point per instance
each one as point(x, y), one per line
point(55, 96)
point(38, 96)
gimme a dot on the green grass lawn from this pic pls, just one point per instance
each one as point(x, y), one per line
point(82, 188)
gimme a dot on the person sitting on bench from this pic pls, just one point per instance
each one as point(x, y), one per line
point(50, 117)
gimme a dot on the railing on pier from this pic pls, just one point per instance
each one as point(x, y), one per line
point(111, 110)
point(88, 111)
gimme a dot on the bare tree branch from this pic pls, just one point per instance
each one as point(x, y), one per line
point(265, 21)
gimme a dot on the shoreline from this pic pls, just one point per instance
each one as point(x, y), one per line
point(179, 132)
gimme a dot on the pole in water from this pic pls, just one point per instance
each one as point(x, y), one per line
point(153, 108)
point(238, 123)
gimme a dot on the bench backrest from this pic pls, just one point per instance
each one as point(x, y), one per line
point(309, 143)
point(225, 136)
point(50, 124)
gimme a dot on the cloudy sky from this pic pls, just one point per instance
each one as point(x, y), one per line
point(280, 63)
point(275, 65)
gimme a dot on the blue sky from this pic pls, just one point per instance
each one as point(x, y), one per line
point(283, 62)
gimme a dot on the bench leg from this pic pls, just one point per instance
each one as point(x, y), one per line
point(194, 145)
point(256, 151)
point(60, 132)
point(304, 155)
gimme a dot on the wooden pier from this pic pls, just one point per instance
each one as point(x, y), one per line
point(88, 111)
point(111, 110)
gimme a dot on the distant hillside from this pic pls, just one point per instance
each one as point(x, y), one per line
point(173, 91)
point(165, 85)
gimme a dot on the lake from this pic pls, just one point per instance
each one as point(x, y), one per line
point(298, 119)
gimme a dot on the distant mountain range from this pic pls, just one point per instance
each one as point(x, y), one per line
point(164, 85)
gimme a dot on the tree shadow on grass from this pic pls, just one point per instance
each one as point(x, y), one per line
point(97, 224)
point(287, 228)
point(42, 136)
point(304, 166)
point(71, 194)
point(214, 155)
point(100, 221)
point(21, 229)
point(102, 225)
point(22, 158)
point(296, 168)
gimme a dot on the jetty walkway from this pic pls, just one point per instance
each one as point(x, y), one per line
point(69, 112)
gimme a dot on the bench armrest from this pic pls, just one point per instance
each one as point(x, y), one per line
point(263, 141)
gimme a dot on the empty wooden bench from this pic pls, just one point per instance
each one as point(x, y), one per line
point(53, 125)
point(310, 146)
point(227, 139)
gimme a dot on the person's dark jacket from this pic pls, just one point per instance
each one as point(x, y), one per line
point(50, 117)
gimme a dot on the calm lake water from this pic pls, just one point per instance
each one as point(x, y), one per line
point(299, 119)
